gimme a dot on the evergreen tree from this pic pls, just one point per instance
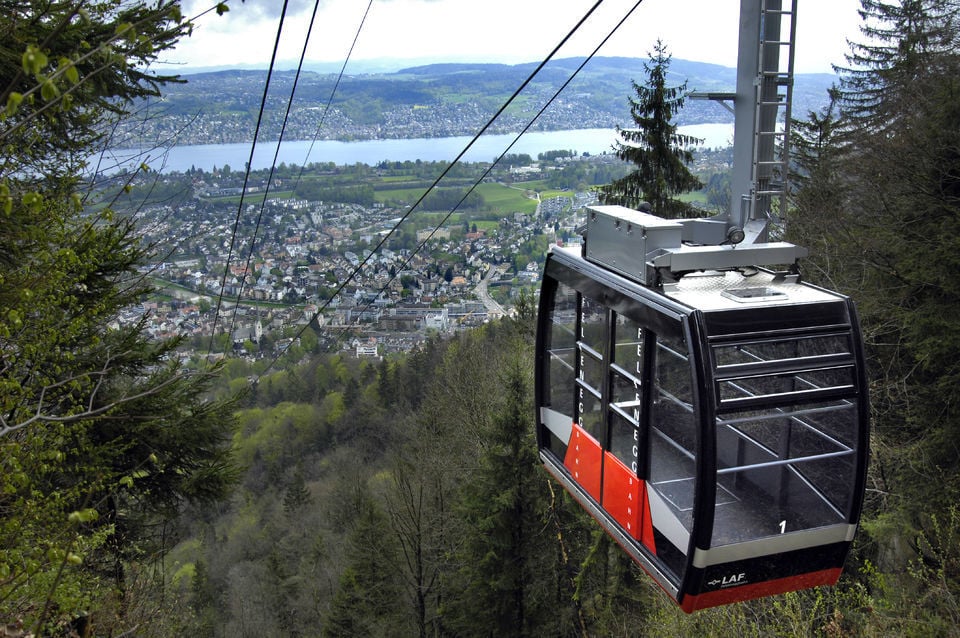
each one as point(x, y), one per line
point(882, 192)
point(820, 200)
point(902, 171)
point(69, 69)
point(104, 433)
point(296, 496)
point(902, 39)
point(505, 580)
point(367, 599)
point(661, 155)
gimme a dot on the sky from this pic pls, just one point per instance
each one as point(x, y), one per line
point(398, 33)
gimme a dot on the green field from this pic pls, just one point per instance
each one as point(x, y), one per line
point(698, 197)
point(497, 197)
point(488, 226)
point(506, 199)
point(409, 195)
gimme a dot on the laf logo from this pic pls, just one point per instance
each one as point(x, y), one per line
point(733, 579)
point(729, 580)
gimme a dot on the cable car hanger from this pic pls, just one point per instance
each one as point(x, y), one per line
point(710, 412)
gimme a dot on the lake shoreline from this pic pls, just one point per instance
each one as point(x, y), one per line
point(486, 148)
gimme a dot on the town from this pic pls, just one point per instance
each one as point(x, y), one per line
point(337, 249)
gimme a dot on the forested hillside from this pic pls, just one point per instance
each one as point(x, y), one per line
point(403, 497)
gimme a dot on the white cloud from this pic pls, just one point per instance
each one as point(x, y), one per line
point(499, 30)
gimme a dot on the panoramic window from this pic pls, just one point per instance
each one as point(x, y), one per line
point(673, 431)
point(561, 362)
point(786, 461)
point(590, 366)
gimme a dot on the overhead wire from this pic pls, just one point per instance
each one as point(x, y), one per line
point(283, 127)
point(490, 168)
point(483, 129)
point(273, 166)
point(246, 269)
point(333, 91)
point(246, 176)
point(109, 139)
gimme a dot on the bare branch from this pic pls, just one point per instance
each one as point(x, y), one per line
point(91, 411)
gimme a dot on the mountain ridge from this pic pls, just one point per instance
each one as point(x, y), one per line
point(440, 99)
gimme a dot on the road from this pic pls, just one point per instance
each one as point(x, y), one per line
point(494, 309)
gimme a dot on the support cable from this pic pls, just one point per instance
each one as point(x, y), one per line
point(502, 154)
point(246, 176)
point(273, 167)
point(506, 104)
point(336, 85)
point(108, 140)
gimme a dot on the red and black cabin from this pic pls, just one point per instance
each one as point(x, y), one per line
point(716, 427)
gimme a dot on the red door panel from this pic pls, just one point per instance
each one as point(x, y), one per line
point(584, 459)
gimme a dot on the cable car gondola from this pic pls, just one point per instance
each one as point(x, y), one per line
point(715, 426)
point(707, 408)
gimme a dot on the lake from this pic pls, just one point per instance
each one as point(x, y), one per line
point(486, 148)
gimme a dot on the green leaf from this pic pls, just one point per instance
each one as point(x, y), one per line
point(70, 71)
point(87, 515)
point(13, 102)
point(49, 91)
point(126, 30)
point(6, 200)
point(222, 8)
point(33, 200)
point(33, 60)
point(145, 43)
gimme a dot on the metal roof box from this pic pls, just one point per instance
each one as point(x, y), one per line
point(623, 239)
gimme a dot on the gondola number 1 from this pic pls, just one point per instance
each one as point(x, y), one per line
point(783, 526)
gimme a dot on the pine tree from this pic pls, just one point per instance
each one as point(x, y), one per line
point(884, 188)
point(367, 599)
point(104, 433)
point(902, 39)
point(505, 556)
point(296, 496)
point(69, 70)
point(901, 132)
point(820, 200)
point(660, 154)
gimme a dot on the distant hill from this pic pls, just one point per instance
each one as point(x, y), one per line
point(443, 99)
point(609, 79)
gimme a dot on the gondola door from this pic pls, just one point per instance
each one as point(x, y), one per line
point(609, 451)
point(617, 420)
